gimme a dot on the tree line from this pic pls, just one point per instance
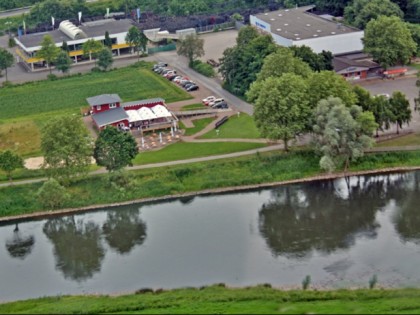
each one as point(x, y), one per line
point(293, 97)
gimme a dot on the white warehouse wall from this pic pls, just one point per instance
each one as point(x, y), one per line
point(337, 44)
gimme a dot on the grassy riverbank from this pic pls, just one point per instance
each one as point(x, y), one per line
point(218, 174)
point(220, 300)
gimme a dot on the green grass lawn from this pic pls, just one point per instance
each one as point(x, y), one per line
point(194, 107)
point(199, 124)
point(242, 127)
point(68, 95)
point(219, 300)
point(408, 140)
point(189, 150)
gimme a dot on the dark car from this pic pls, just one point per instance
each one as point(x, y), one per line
point(171, 77)
point(186, 86)
point(220, 105)
point(159, 65)
point(192, 88)
point(160, 70)
point(186, 82)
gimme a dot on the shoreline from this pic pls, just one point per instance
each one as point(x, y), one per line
point(69, 211)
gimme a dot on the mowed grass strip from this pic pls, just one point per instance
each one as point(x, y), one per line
point(408, 140)
point(221, 300)
point(242, 127)
point(190, 150)
point(130, 83)
point(199, 124)
point(193, 107)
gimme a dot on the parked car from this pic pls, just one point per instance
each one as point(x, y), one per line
point(172, 77)
point(160, 70)
point(166, 71)
point(159, 65)
point(186, 86)
point(186, 82)
point(169, 73)
point(208, 99)
point(178, 79)
point(220, 105)
point(193, 87)
point(217, 100)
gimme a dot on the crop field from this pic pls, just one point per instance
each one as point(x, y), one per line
point(68, 95)
point(25, 108)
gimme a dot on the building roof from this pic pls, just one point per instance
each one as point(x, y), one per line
point(110, 116)
point(91, 29)
point(297, 24)
point(103, 99)
point(144, 102)
point(342, 63)
point(161, 111)
point(146, 113)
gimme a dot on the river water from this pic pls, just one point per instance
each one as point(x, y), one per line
point(339, 232)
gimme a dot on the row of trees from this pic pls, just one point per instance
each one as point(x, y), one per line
point(291, 99)
point(6, 60)
point(68, 150)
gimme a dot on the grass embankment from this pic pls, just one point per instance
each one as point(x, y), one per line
point(199, 124)
point(218, 174)
point(407, 140)
point(32, 103)
point(219, 300)
point(242, 127)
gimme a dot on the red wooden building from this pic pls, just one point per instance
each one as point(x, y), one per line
point(104, 102)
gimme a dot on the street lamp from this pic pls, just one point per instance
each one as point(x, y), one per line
point(8, 27)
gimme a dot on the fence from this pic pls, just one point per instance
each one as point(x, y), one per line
point(215, 27)
point(161, 48)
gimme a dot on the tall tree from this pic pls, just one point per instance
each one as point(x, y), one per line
point(67, 147)
point(105, 58)
point(91, 48)
point(281, 107)
point(341, 133)
point(63, 61)
point(114, 149)
point(317, 62)
point(360, 12)
point(65, 46)
point(400, 107)
point(6, 60)
point(107, 40)
point(327, 83)
point(380, 107)
point(282, 61)
point(191, 47)
point(389, 41)
point(49, 51)
point(10, 161)
point(136, 39)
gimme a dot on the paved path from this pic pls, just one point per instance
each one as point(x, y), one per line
point(14, 12)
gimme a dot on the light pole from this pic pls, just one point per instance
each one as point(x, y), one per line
point(8, 27)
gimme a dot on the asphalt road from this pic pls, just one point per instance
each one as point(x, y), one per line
point(5, 14)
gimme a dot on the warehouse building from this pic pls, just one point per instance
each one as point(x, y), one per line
point(298, 27)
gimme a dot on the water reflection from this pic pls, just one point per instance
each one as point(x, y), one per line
point(323, 216)
point(77, 246)
point(20, 245)
point(124, 229)
point(407, 220)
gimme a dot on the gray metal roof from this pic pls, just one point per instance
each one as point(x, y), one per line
point(91, 29)
point(103, 99)
point(297, 24)
point(143, 102)
point(110, 116)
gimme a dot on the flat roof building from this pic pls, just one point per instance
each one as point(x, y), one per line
point(298, 27)
point(75, 36)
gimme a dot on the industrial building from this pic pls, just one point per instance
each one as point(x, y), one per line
point(298, 27)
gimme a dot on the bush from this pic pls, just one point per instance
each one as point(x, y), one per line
point(52, 195)
point(52, 77)
point(11, 43)
point(203, 68)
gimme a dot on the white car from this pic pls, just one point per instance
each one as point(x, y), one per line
point(208, 99)
point(215, 101)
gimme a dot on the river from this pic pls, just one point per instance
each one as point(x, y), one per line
point(341, 233)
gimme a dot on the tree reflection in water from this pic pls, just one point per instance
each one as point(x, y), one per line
point(124, 229)
point(323, 216)
point(77, 246)
point(20, 245)
point(407, 219)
